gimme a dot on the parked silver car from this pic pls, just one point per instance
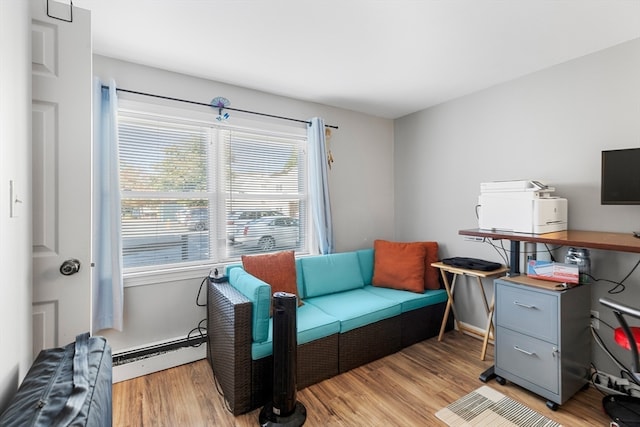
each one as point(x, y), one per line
point(238, 219)
point(270, 232)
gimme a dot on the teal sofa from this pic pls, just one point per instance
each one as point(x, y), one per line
point(345, 322)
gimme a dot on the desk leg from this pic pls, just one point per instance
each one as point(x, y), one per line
point(514, 268)
point(449, 289)
point(484, 297)
point(489, 311)
point(490, 329)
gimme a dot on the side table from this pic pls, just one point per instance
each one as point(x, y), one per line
point(450, 287)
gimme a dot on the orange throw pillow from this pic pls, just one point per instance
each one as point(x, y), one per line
point(399, 265)
point(277, 269)
point(431, 274)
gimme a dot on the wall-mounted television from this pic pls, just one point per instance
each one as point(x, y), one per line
point(620, 182)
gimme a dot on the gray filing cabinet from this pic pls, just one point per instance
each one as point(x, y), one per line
point(542, 340)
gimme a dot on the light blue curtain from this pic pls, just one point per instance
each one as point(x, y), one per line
point(319, 185)
point(107, 247)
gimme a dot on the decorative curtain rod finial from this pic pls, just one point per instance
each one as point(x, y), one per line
point(221, 103)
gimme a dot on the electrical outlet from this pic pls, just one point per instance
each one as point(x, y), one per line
point(595, 319)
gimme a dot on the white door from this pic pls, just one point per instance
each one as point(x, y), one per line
point(61, 102)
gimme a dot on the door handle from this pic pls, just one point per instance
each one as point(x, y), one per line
point(69, 267)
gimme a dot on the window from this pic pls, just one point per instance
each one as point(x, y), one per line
point(196, 192)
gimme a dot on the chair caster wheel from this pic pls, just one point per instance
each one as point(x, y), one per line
point(501, 380)
point(552, 405)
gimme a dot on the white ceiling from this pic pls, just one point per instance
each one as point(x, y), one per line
point(387, 58)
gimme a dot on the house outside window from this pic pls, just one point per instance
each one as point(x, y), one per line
point(198, 192)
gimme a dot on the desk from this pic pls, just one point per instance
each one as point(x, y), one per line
point(622, 242)
point(450, 287)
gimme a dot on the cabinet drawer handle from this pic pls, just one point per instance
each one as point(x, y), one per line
point(528, 353)
point(524, 305)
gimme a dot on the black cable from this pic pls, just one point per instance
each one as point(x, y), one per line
point(619, 284)
point(503, 256)
point(199, 291)
point(611, 291)
point(202, 330)
point(507, 251)
point(506, 254)
point(549, 251)
point(199, 328)
point(631, 272)
point(606, 324)
point(618, 288)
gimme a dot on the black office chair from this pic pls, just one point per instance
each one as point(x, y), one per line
point(624, 410)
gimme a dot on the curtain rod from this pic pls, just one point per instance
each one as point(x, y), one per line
point(212, 106)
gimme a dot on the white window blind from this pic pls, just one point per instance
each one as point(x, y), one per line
point(197, 193)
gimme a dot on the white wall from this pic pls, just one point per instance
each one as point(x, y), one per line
point(551, 126)
point(361, 182)
point(15, 158)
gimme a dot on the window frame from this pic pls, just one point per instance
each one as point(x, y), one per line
point(135, 276)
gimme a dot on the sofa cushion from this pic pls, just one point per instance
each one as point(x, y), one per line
point(399, 265)
point(410, 300)
point(299, 278)
point(328, 274)
point(431, 274)
point(312, 324)
point(365, 257)
point(356, 308)
point(277, 269)
point(259, 293)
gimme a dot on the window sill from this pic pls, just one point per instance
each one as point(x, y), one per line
point(176, 274)
point(147, 278)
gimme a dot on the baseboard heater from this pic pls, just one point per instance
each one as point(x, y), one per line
point(157, 350)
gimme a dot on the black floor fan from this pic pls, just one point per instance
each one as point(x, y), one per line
point(624, 410)
point(284, 409)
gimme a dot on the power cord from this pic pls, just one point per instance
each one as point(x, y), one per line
point(550, 252)
point(200, 328)
point(202, 331)
point(199, 292)
point(504, 252)
point(619, 286)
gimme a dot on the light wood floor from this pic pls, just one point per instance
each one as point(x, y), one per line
point(404, 389)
